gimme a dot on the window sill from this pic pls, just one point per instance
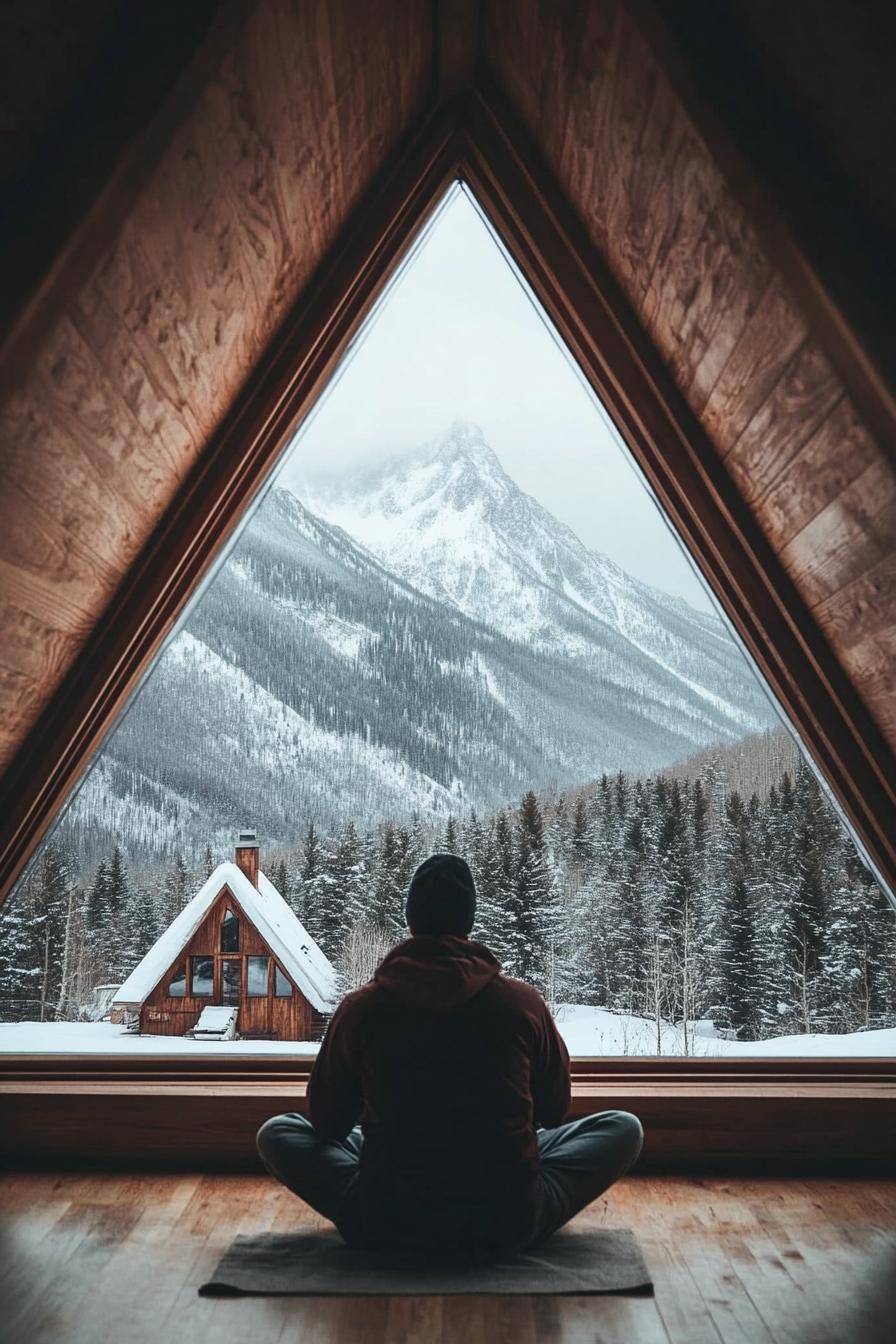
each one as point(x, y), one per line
point(783, 1115)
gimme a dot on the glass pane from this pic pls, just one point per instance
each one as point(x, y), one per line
point(230, 933)
point(230, 981)
point(178, 987)
point(257, 979)
point(202, 975)
point(282, 987)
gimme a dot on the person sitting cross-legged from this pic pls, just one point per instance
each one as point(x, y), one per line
point(460, 1082)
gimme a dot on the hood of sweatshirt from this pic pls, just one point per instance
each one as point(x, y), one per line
point(437, 974)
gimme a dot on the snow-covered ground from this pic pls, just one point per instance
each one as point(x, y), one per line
point(587, 1031)
point(102, 1038)
point(594, 1031)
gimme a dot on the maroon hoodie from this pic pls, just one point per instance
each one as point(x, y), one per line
point(449, 1066)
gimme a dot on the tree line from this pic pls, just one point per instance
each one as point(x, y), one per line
point(669, 899)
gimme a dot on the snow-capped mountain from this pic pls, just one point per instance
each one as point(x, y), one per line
point(424, 639)
point(450, 521)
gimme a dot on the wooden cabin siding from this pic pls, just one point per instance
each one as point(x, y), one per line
point(144, 357)
point(289, 1019)
point(617, 137)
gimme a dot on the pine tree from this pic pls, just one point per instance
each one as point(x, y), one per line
point(312, 884)
point(208, 861)
point(815, 839)
point(311, 856)
point(37, 923)
point(115, 931)
point(98, 905)
point(281, 880)
point(581, 843)
point(736, 981)
point(450, 844)
point(498, 923)
point(776, 936)
point(328, 898)
point(142, 925)
point(628, 932)
point(350, 872)
point(537, 913)
point(586, 955)
point(18, 968)
point(389, 882)
point(473, 843)
point(490, 914)
point(175, 891)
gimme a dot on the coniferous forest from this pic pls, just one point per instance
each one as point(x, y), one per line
point(671, 899)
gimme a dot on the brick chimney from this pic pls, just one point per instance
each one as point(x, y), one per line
point(246, 855)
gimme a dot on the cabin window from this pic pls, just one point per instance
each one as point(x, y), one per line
point(257, 977)
point(202, 976)
point(230, 933)
point(555, 693)
point(231, 978)
point(178, 986)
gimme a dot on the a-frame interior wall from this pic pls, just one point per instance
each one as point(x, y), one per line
point(159, 394)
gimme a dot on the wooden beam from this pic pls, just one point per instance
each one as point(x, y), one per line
point(700, 1115)
point(456, 46)
point(597, 323)
point(226, 479)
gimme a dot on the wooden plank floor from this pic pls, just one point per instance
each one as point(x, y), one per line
point(115, 1259)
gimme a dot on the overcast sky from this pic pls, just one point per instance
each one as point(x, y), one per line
point(458, 337)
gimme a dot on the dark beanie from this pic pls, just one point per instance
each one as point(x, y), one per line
point(442, 897)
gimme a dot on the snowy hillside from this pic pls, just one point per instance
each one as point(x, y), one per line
point(449, 520)
point(459, 647)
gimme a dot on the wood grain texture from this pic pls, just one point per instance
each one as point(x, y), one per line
point(636, 168)
point(144, 359)
point(91, 1259)
point(158, 1112)
point(87, 104)
point(798, 163)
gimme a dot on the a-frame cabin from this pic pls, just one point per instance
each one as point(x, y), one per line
point(238, 945)
point(202, 203)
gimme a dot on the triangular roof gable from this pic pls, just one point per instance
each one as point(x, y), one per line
point(279, 926)
point(823, 673)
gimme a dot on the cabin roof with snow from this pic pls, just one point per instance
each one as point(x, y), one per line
point(280, 927)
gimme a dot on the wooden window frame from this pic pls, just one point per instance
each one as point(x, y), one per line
point(700, 1114)
point(269, 992)
point(239, 958)
point(157, 1111)
point(172, 976)
point(214, 992)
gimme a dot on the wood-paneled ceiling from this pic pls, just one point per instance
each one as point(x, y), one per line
point(230, 200)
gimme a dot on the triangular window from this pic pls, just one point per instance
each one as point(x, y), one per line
point(459, 620)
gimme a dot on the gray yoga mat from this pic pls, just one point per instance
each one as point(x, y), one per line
point(320, 1264)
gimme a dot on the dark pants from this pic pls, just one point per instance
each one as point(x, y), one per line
point(578, 1162)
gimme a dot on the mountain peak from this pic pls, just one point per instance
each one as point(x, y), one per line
point(465, 439)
